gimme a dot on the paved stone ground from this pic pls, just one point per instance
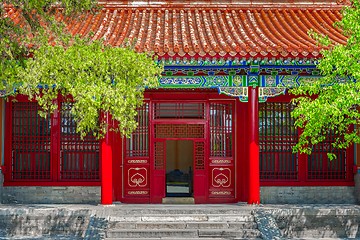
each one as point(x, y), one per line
point(313, 221)
point(273, 221)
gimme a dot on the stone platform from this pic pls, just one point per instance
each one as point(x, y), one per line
point(213, 221)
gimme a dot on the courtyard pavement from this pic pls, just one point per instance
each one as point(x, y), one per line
point(274, 221)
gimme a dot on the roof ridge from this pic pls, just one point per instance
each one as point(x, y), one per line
point(208, 32)
point(225, 3)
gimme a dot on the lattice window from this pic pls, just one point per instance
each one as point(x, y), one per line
point(30, 142)
point(159, 155)
point(138, 144)
point(199, 155)
point(221, 129)
point(79, 159)
point(179, 110)
point(320, 167)
point(277, 136)
point(179, 131)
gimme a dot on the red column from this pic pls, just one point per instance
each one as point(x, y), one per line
point(106, 166)
point(117, 153)
point(254, 165)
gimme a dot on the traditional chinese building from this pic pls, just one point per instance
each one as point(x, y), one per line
point(218, 130)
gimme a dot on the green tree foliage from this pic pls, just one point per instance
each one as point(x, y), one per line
point(17, 39)
point(336, 107)
point(43, 62)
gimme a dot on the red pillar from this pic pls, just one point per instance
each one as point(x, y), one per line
point(254, 165)
point(106, 166)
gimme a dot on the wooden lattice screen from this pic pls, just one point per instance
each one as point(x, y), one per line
point(79, 158)
point(277, 136)
point(321, 167)
point(138, 144)
point(30, 143)
point(169, 110)
point(221, 129)
point(49, 149)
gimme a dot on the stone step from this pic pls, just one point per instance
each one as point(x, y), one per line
point(221, 225)
point(183, 233)
point(147, 225)
point(57, 237)
point(182, 225)
point(172, 238)
point(230, 218)
point(242, 225)
point(320, 233)
point(150, 233)
point(322, 238)
point(229, 233)
point(179, 209)
point(183, 218)
point(178, 200)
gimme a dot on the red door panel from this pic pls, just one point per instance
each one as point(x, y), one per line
point(221, 182)
point(200, 178)
point(158, 169)
point(137, 179)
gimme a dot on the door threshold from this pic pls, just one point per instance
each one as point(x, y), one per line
point(178, 200)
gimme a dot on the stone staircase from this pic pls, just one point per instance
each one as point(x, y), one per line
point(178, 222)
point(183, 222)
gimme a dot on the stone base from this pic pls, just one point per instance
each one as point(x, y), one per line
point(308, 195)
point(357, 187)
point(317, 221)
point(1, 185)
point(45, 195)
point(269, 195)
point(178, 200)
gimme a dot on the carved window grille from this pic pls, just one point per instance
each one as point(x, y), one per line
point(138, 144)
point(321, 167)
point(277, 136)
point(179, 131)
point(179, 110)
point(199, 155)
point(221, 129)
point(30, 143)
point(79, 158)
point(159, 155)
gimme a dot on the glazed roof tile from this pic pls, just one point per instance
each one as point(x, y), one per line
point(200, 30)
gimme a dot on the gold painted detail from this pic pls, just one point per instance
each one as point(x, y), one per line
point(221, 177)
point(234, 91)
point(137, 177)
point(220, 161)
point(221, 192)
point(271, 91)
point(137, 161)
point(242, 92)
point(138, 192)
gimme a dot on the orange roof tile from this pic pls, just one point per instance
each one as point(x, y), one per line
point(175, 30)
point(224, 3)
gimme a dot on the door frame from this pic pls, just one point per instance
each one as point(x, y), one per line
point(200, 183)
point(208, 195)
point(190, 180)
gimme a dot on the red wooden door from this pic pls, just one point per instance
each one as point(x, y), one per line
point(158, 168)
point(136, 181)
point(221, 163)
point(200, 177)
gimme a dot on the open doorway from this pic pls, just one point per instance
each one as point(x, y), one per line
point(179, 168)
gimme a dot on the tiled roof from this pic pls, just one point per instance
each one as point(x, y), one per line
point(208, 31)
point(224, 3)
